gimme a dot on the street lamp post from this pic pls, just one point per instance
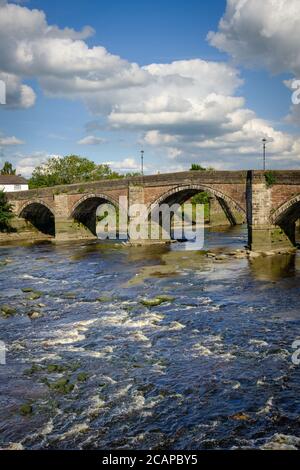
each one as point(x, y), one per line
point(142, 162)
point(264, 141)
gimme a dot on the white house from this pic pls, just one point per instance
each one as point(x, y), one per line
point(11, 183)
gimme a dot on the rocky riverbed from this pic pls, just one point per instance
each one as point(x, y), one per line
point(160, 347)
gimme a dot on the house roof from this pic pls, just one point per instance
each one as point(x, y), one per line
point(12, 179)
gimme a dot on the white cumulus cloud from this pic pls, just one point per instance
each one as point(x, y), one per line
point(189, 109)
point(8, 141)
point(91, 140)
point(262, 33)
point(127, 165)
point(25, 164)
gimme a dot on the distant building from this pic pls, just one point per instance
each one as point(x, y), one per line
point(12, 183)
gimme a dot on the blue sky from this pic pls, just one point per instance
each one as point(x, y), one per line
point(112, 128)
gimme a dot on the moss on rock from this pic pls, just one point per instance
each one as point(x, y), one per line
point(160, 299)
point(103, 299)
point(62, 386)
point(7, 310)
point(25, 409)
point(34, 295)
point(51, 368)
point(82, 377)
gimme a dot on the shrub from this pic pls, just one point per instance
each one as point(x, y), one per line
point(6, 213)
point(270, 178)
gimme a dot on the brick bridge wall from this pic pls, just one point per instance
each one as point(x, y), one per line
point(242, 191)
point(231, 185)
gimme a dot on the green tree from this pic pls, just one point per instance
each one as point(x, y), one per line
point(67, 170)
point(6, 213)
point(132, 174)
point(197, 167)
point(201, 198)
point(8, 169)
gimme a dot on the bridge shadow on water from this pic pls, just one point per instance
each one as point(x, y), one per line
point(274, 268)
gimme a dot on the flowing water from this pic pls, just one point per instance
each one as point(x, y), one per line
point(210, 367)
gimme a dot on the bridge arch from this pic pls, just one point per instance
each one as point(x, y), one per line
point(188, 190)
point(84, 211)
point(182, 193)
point(288, 210)
point(40, 215)
point(286, 215)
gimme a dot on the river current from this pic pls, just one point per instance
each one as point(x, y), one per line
point(90, 364)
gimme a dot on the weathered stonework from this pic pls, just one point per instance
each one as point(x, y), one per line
point(222, 213)
point(265, 232)
point(271, 210)
point(22, 230)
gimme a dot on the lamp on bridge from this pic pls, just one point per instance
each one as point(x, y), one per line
point(142, 162)
point(264, 141)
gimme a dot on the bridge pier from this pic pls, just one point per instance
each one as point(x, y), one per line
point(66, 228)
point(263, 235)
point(143, 233)
point(21, 229)
point(138, 234)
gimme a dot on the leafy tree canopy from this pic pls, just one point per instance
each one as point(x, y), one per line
point(201, 198)
point(132, 174)
point(6, 213)
point(8, 169)
point(197, 167)
point(67, 170)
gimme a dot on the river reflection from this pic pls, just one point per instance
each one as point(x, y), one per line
point(148, 347)
point(274, 268)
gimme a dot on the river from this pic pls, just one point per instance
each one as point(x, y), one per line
point(91, 365)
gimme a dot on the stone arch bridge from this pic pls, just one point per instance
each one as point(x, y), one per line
point(268, 202)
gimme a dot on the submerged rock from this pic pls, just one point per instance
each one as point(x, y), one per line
point(34, 295)
point(55, 368)
point(241, 255)
point(103, 299)
point(160, 299)
point(7, 310)
point(241, 417)
point(166, 298)
point(62, 386)
point(69, 295)
point(254, 254)
point(282, 442)
point(82, 377)
point(13, 446)
point(35, 315)
point(221, 258)
point(25, 410)
point(176, 326)
point(33, 369)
